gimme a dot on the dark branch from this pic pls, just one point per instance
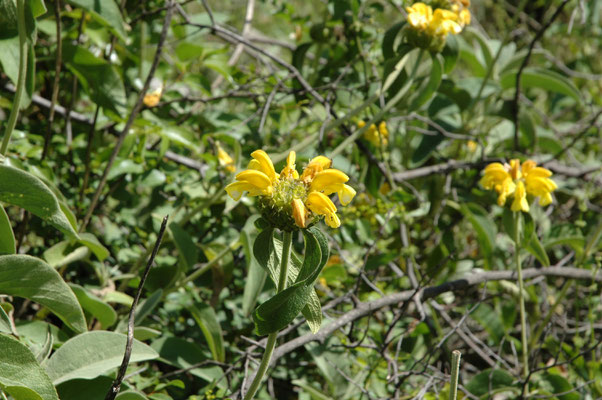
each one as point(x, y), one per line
point(132, 318)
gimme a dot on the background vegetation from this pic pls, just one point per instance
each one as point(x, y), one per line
point(421, 264)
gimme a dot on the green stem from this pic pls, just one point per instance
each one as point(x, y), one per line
point(521, 296)
point(14, 112)
point(287, 239)
point(453, 385)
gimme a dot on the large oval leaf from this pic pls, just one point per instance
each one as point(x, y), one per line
point(32, 278)
point(22, 189)
point(20, 374)
point(92, 354)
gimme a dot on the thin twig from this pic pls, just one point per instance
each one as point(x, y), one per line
point(132, 317)
point(132, 117)
point(515, 103)
point(57, 77)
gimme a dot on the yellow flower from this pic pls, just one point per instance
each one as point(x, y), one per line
point(374, 135)
point(224, 159)
point(153, 94)
point(288, 199)
point(440, 22)
point(519, 181)
point(472, 146)
point(420, 15)
point(151, 99)
point(444, 22)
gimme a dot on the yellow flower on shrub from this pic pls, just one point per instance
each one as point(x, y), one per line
point(374, 135)
point(519, 181)
point(224, 159)
point(429, 26)
point(440, 22)
point(289, 200)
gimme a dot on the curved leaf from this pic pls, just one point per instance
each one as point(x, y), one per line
point(92, 354)
point(543, 79)
point(280, 310)
point(30, 277)
point(21, 376)
point(7, 237)
point(22, 189)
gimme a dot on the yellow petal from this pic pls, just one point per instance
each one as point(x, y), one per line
point(254, 164)
point(332, 220)
point(299, 213)
point(327, 178)
point(317, 164)
point(320, 204)
point(267, 167)
point(545, 199)
point(255, 178)
point(289, 170)
point(346, 193)
point(236, 189)
point(520, 202)
point(506, 189)
point(515, 169)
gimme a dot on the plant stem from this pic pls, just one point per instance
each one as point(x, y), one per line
point(521, 297)
point(455, 369)
point(287, 239)
point(14, 112)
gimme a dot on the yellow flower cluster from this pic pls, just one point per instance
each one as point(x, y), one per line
point(224, 159)
point(376, 136)
point(288, 195)
point(441, 22)
point(518, 181)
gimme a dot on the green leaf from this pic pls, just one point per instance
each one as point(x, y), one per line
point(189, 252)
point(205, 317)
point(103, 312)
point(450, 53)
point(434, 80)
point(22, 189)
point(543, 79)
point(490, 320)
point(92, 354)
point(106, 12)
point(97, 76)
point(256, 275)
point(21, 376)
point(7, 237)
point(391, 40)
point(4, 319)
point(31, 278)
point(281, 309)
point(184, 354)
point(488, 380)
point(266, 250)
point(559, 384)
point(483, 226)
point(124, 166)
point(92, 243)
point(535, 247)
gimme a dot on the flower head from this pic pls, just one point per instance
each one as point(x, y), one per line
point(428, 26)
point(154, 93)
point(518, 180)
point(224, 159)
point(289, 200)
point(377, 136)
